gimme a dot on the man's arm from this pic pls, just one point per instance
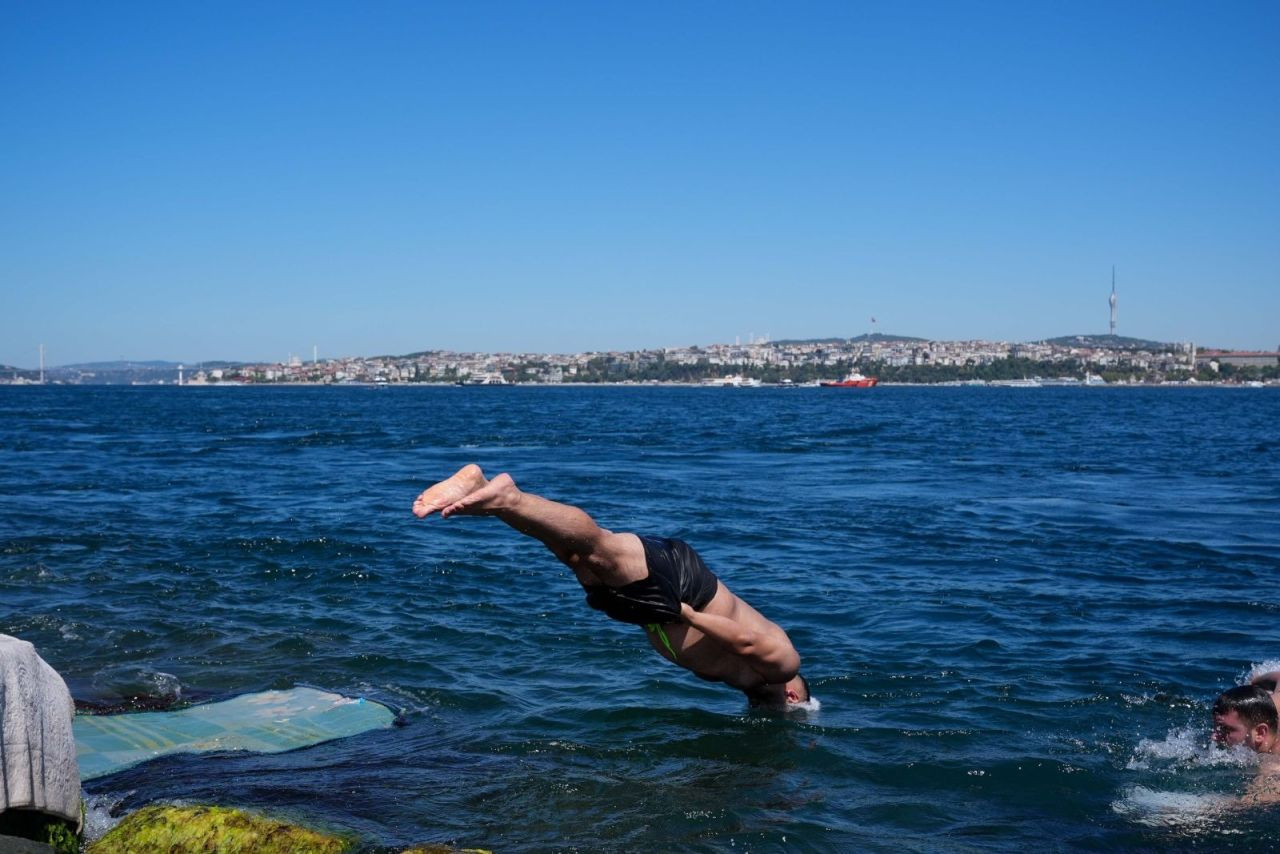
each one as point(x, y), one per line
point(1269, 681)
point(769, 652)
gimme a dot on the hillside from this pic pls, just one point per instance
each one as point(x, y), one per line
point(874, 338)
point(1112, 342)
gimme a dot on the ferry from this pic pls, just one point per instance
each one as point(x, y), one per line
point(735, 381)
point(854, 380)
point(486, 378)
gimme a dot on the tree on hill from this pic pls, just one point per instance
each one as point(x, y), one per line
point(1110, 342)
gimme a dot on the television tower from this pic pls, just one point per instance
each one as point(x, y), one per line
point(1113, 300)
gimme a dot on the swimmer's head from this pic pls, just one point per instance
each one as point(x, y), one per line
point(798, 691)
point(794, 692)
point(1245, 715)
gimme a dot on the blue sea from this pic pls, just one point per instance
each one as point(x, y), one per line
point(1015, 606)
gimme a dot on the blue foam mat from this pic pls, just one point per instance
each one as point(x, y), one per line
point(267, 722)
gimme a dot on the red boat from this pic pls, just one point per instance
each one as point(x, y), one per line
point(854, 380)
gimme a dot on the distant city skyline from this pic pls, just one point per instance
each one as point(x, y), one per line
point(749, 340)
point(1072, 360)
point(196, 183)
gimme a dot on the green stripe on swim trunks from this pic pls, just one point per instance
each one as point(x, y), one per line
point(657, 629)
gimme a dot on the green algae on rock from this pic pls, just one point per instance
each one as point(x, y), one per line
point(48, 830)
point(214, 829)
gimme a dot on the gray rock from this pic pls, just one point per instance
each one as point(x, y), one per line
point(38, 768)
point(18, 845)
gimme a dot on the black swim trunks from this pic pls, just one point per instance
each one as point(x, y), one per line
point(676, 574)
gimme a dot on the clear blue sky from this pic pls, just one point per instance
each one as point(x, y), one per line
point(195, 181)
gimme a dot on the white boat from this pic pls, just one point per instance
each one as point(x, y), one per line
point(734, 381)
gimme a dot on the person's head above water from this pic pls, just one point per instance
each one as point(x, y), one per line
point(1245, 715)
point(794, 692)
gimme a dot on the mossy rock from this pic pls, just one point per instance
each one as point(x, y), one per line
point(171, 830)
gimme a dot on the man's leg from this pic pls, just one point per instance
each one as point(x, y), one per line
point(596, 555)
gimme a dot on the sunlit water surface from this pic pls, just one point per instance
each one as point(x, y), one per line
point(1015, 606)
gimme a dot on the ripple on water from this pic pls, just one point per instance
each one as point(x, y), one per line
point(1008, 605)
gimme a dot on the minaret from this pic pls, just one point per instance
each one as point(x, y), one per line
point(179, 374)
point(41, 364)
point(1113, 300)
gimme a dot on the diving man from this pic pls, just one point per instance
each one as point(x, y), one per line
point(690, 616)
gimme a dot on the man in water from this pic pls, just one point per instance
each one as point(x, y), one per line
point(690, 617)
point(1246, 714)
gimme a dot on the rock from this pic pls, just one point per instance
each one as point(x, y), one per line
point(18, 845)
point(38, 768)
point(30, 830)
point(172, 828)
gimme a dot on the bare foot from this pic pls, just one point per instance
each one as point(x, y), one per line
point(466, 480)
point(498, 494)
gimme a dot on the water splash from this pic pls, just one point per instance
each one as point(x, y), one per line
point(1270, 665)
point(98, 814)
point(1187, 747)
point(810, 706)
